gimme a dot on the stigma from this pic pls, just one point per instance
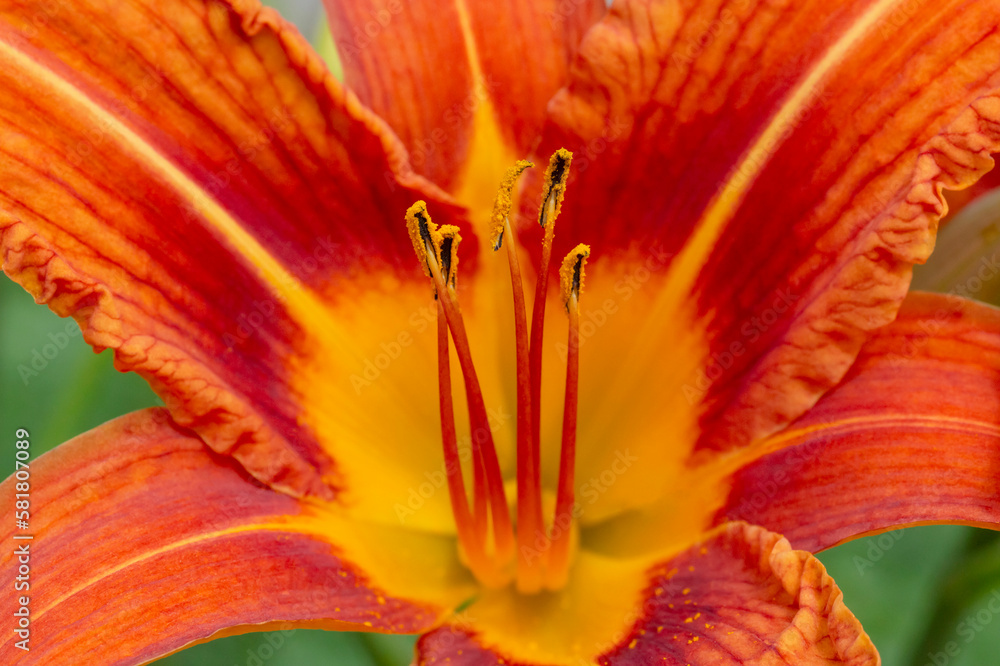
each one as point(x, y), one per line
point(526, 549)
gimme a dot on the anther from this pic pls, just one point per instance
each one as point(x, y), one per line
point(450, 238)
point(556, 175)
point(571, 273)
point(504, 201)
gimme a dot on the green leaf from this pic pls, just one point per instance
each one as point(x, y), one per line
point(889, 582)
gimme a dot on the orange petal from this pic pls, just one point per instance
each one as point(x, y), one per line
point(144, 542)
point(961, 199)
point(451, 76)
point(742, 596)
point(180, 200)
point(910, 436)
point(791, 158)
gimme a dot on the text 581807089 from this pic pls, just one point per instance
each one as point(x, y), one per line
point(22, 550)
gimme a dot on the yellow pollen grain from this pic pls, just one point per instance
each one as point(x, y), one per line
point(556, 175)
point(450, 232)
point(571, 273)
point(417, 216)
point(504, 201)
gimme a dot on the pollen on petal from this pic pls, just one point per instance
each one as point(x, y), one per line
point(571, 272)
point(504, 201)
point(556, 175)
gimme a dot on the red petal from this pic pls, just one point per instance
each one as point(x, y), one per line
point(185, 200)
point(792, 157)
point(441, 72)
point(910, 436)
point(743, 596)
point(144, 542)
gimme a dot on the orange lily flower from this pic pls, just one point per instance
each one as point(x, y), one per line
point(743, 379)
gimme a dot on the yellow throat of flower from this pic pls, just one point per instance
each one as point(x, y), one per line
point(530, 551)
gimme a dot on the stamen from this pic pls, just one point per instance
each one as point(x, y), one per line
point(428, 249)
point(571, 278)
point(555, 179)
point(529, 489)
point(450, 238)
point(436, 249)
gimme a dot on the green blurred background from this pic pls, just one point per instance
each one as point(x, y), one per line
point(915, 590)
